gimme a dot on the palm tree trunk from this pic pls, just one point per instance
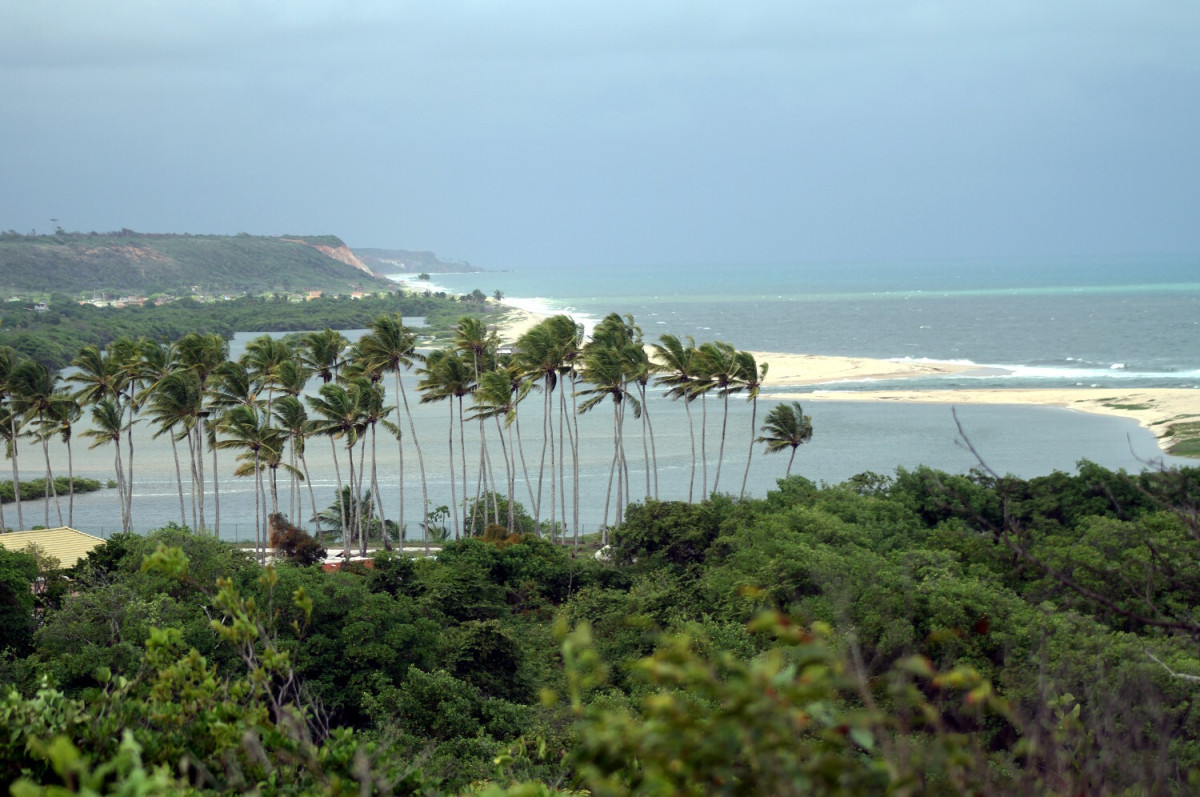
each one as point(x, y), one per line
point(359, 511)
point(453, 487)
point(562, 455)
point(48, 487)
point(653, 448)
point(462, 447)
point(524, 467)
point(420, 464)
point(262, 552)
point(337, 472)
point(121, 484)
point(574, 461)
point(16, 445)
point(196, 457)
point(129, 470)
point(179, 483)
point(547, 429)
point(788, 472)
point(645, 449)
point(509, 470)
point(376, 502)
point(687, 407)
point(721, 449)
point(553, 482)
point(400, 451)
point(70, 484)
point(703, 446)
point(216, 495)
point(750, 453)
point(613, 468)
point(312, 497)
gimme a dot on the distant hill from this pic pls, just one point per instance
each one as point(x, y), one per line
point(397, 261)
point(133, 263)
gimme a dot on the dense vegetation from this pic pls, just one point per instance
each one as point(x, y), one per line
point(129, 262)
point(54, 337)
point(920, 633)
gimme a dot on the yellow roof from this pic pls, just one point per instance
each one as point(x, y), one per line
point(65, 544)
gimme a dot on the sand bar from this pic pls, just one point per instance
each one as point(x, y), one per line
point(1154, 408)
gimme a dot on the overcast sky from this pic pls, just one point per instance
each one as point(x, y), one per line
point(577, 133)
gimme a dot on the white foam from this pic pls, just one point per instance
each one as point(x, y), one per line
point(539, 305)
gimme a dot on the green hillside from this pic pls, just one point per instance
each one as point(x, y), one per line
point(129, 262)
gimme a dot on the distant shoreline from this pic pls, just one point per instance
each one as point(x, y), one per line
point(1163, 411)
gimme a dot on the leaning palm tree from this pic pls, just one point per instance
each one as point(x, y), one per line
point(264, 360)
point(174, 408)
point(676, 366)
point(202, 354)
point(294, 422)
point(495, 398)
point(248, 430)
point(340, 412)
point(322, 352)
point(65, 412)
point(540, 354)
point(752, 375)
point(8, 362)
point(719, 364)
point(107, 427)
point(34, 393)
point(474, 340)
point(786, 426)
point(447, 375)
point(391, 346)
point(605, 368)
point(99, 375)
point(125, 352)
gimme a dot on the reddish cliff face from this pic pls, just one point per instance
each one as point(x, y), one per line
point(342, 254)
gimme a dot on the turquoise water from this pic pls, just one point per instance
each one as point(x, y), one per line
point(1125, 323)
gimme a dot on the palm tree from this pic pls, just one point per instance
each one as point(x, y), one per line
point(9, 360)
point(35, 393)
point(175, 403)
point(341, 416)
point(322, 352)
point(541, 352)
point(66, 412)
point(391, 346)
point(472, 338)
point(495, 398)
point(294, 422)
point(107, 426)
point(203, 354)
point(605, 368)
point(751, 375)
point(100, 376)
point(719, 365)
point(446, 375)
point(248, 429)
point(6, 428)
point(677, 369)
point(264, 360)
point(786, 426)
point(125, 352)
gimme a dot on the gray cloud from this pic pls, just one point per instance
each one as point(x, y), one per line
point(567, 133)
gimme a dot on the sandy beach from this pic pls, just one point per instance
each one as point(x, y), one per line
point(1157, 409)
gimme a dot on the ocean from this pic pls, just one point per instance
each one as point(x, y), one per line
point(1130, 323)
